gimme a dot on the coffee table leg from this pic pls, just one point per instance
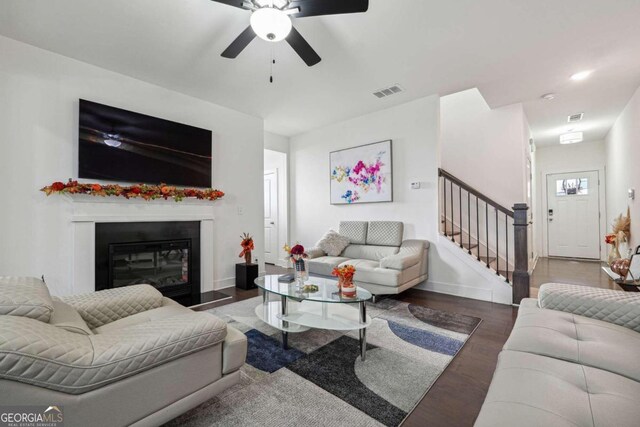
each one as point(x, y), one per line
point(285, 324)
point(363, 331)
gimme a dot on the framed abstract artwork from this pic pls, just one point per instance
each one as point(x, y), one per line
point(361, 174)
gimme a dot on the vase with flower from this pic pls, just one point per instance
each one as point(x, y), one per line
point(620, 235)
point(247, 247)
point(346, 287)
point(614, 253)
point(298, 257)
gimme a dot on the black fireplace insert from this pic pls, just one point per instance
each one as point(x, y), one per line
point(165, 255)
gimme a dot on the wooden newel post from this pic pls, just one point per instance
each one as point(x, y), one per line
point(521, 253)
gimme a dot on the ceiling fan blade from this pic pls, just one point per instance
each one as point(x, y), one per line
point(234, 3)
point(239, 43)
point(302, 48)
point(327, 7)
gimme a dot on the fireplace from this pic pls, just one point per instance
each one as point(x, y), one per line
point(165, 255)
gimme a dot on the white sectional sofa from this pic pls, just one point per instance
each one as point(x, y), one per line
point(385, 264)
point(572, 359)
point(120, 357)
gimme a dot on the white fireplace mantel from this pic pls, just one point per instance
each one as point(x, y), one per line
point(86, 212)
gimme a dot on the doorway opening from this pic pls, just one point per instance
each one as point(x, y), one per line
point(276, 207)
point(573, 215)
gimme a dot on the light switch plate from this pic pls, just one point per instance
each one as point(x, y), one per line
point(632, 193)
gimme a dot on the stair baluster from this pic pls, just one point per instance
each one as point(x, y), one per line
point(518, 277)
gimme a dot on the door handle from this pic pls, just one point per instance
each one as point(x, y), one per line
point(272, 223)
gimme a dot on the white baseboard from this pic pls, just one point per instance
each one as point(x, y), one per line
point(458, 290)
point(230, 282)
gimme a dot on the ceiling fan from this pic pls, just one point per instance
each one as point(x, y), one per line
point(271, 21)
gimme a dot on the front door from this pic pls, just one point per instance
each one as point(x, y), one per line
point(271, 217)
point(573, 215)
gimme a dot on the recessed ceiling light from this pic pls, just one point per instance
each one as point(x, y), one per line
point(548, 96)
point(571, 138)
point(581, 75)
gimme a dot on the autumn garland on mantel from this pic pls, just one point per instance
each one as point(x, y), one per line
point(144, 191)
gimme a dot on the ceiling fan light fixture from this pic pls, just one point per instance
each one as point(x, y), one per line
point(271, 24)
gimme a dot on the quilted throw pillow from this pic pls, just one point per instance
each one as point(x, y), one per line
point(25, 297)
point(333, 243)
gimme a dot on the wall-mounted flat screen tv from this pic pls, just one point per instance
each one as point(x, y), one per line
point(120, 145)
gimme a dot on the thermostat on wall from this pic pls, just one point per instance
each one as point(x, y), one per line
point(415, 185)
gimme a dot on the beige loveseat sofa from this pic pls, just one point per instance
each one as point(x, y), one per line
point(125, 356)
point(385, 264)
point(573, 359)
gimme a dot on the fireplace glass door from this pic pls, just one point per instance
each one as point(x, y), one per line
point(160, 264)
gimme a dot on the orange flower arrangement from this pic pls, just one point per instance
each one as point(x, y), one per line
point(345, 280)
point(144, 191)
point(247, 247)
point(345, 272)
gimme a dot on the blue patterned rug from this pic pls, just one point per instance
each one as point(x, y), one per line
point(321, 381)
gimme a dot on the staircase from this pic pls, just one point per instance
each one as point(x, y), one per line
point(492, 234)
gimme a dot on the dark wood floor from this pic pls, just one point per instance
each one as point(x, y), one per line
point(587, 273)
point(456, 397)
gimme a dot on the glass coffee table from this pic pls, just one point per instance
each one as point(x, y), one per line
point(297, 311)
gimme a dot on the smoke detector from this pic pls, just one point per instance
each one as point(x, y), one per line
point(548, 96)
point(575, 117)
point(388, 91)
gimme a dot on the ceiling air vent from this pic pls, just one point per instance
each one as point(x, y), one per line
point(388, 91)
point(575, 117)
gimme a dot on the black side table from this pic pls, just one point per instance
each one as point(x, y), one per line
point(246, 274)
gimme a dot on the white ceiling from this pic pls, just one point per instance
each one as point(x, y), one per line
point(512, 50)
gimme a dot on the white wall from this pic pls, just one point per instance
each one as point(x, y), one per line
point(38, 144)
point(276, 142)
point(485, 148)
point(566, 158)
point(623, 166)
point(278, 161)
point(414, 129)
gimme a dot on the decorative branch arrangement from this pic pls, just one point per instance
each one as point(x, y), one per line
point(144, 191)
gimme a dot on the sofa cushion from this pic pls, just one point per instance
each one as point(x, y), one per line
point(355, 231)
point(370, 252)
point(25, 297)
point(621, 308)
point(530, 390)
point(169, 308)
point(324, 265)
point(332, 243)
point(46, 356)
point(66, 317)
point(100, 308)
point(577, 339)
point(385, 233)
point(370, 272)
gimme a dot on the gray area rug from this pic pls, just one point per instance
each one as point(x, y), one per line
point(321, 381)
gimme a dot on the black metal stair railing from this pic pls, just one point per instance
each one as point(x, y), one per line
point(512, 263)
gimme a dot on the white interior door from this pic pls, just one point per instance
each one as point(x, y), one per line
point(271, 244)
point(573, 215)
